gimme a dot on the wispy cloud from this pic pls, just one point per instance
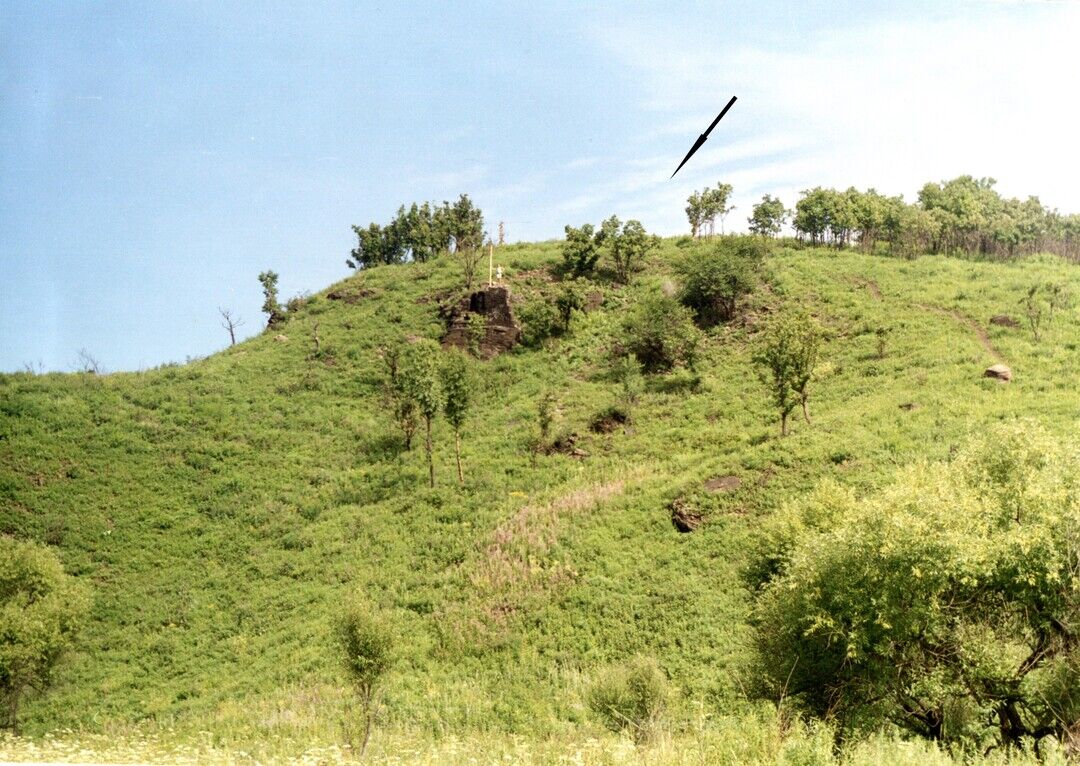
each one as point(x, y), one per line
point(890, 104)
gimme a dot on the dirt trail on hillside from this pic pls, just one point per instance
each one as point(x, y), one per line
point(870, 285)
point(972, 324)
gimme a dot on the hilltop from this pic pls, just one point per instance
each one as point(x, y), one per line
point(222, 510)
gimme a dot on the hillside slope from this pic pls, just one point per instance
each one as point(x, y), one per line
point(221, 510)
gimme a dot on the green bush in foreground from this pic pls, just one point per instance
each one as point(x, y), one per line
point(632, 697)
point(947, 604)
point(41, 610)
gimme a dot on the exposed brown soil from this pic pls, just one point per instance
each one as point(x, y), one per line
point(350, 296)
point(870, 285)
point(608, 422)
point(723, 484)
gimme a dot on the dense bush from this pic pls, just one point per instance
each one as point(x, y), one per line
point(41, 610)
point(660, 333)
point(716, 277)
point(947, 603)
point(539, 320)
point(632, 697)
point(581, 249)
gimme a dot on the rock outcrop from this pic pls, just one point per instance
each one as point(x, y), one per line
point(1000, 372)
point(482, 322)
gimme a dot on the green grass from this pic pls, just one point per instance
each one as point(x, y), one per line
point(222, 510)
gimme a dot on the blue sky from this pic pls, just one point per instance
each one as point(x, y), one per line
point(154, 157)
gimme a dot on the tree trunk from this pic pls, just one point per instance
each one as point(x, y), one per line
point(805, 409)
point(783, 423)
point(457, 456)
point(427, 448)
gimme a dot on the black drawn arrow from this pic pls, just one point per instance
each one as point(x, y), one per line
point(704, 136)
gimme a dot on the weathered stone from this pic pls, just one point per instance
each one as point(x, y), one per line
point(281, 338)
point(683, 516)
point(1000, 372)
point(498, 332)
point(723, 484)
point(350, 296)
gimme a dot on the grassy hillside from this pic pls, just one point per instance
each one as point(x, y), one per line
point(223, 509)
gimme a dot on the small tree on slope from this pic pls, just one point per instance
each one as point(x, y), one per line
point(456, 389)
point(787, 356)
point(420, 369)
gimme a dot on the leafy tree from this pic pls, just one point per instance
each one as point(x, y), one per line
point(420, 379)
point(399, 396)
point(714, 280)
point(869, 210)
point(274, 311)
point(377, 245)
point(716, 204)
point(567, 302)
point(41, 611)
point(787, 355)
point(812, 214)
point(660, 333)
point(946, 604)
point(703, 208)
point(768, 216)
point(366, 644)
point(628, 244)
point(581, 250)
point(465, 224)
point(695, 212)
point(457, 390)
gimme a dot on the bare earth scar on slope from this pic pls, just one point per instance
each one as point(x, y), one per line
point(511, 569)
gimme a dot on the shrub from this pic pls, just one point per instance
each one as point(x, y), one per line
point(626, 370)
point(365, 643)
point(946, 602)
point(628, 244)
point(632, 697)
point(41, 611)
point(660, 333)
point(569, 300)
point(539, 321)
point(715, 278)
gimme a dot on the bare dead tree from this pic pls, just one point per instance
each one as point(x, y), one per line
point(87, 362)
point(230, 322)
